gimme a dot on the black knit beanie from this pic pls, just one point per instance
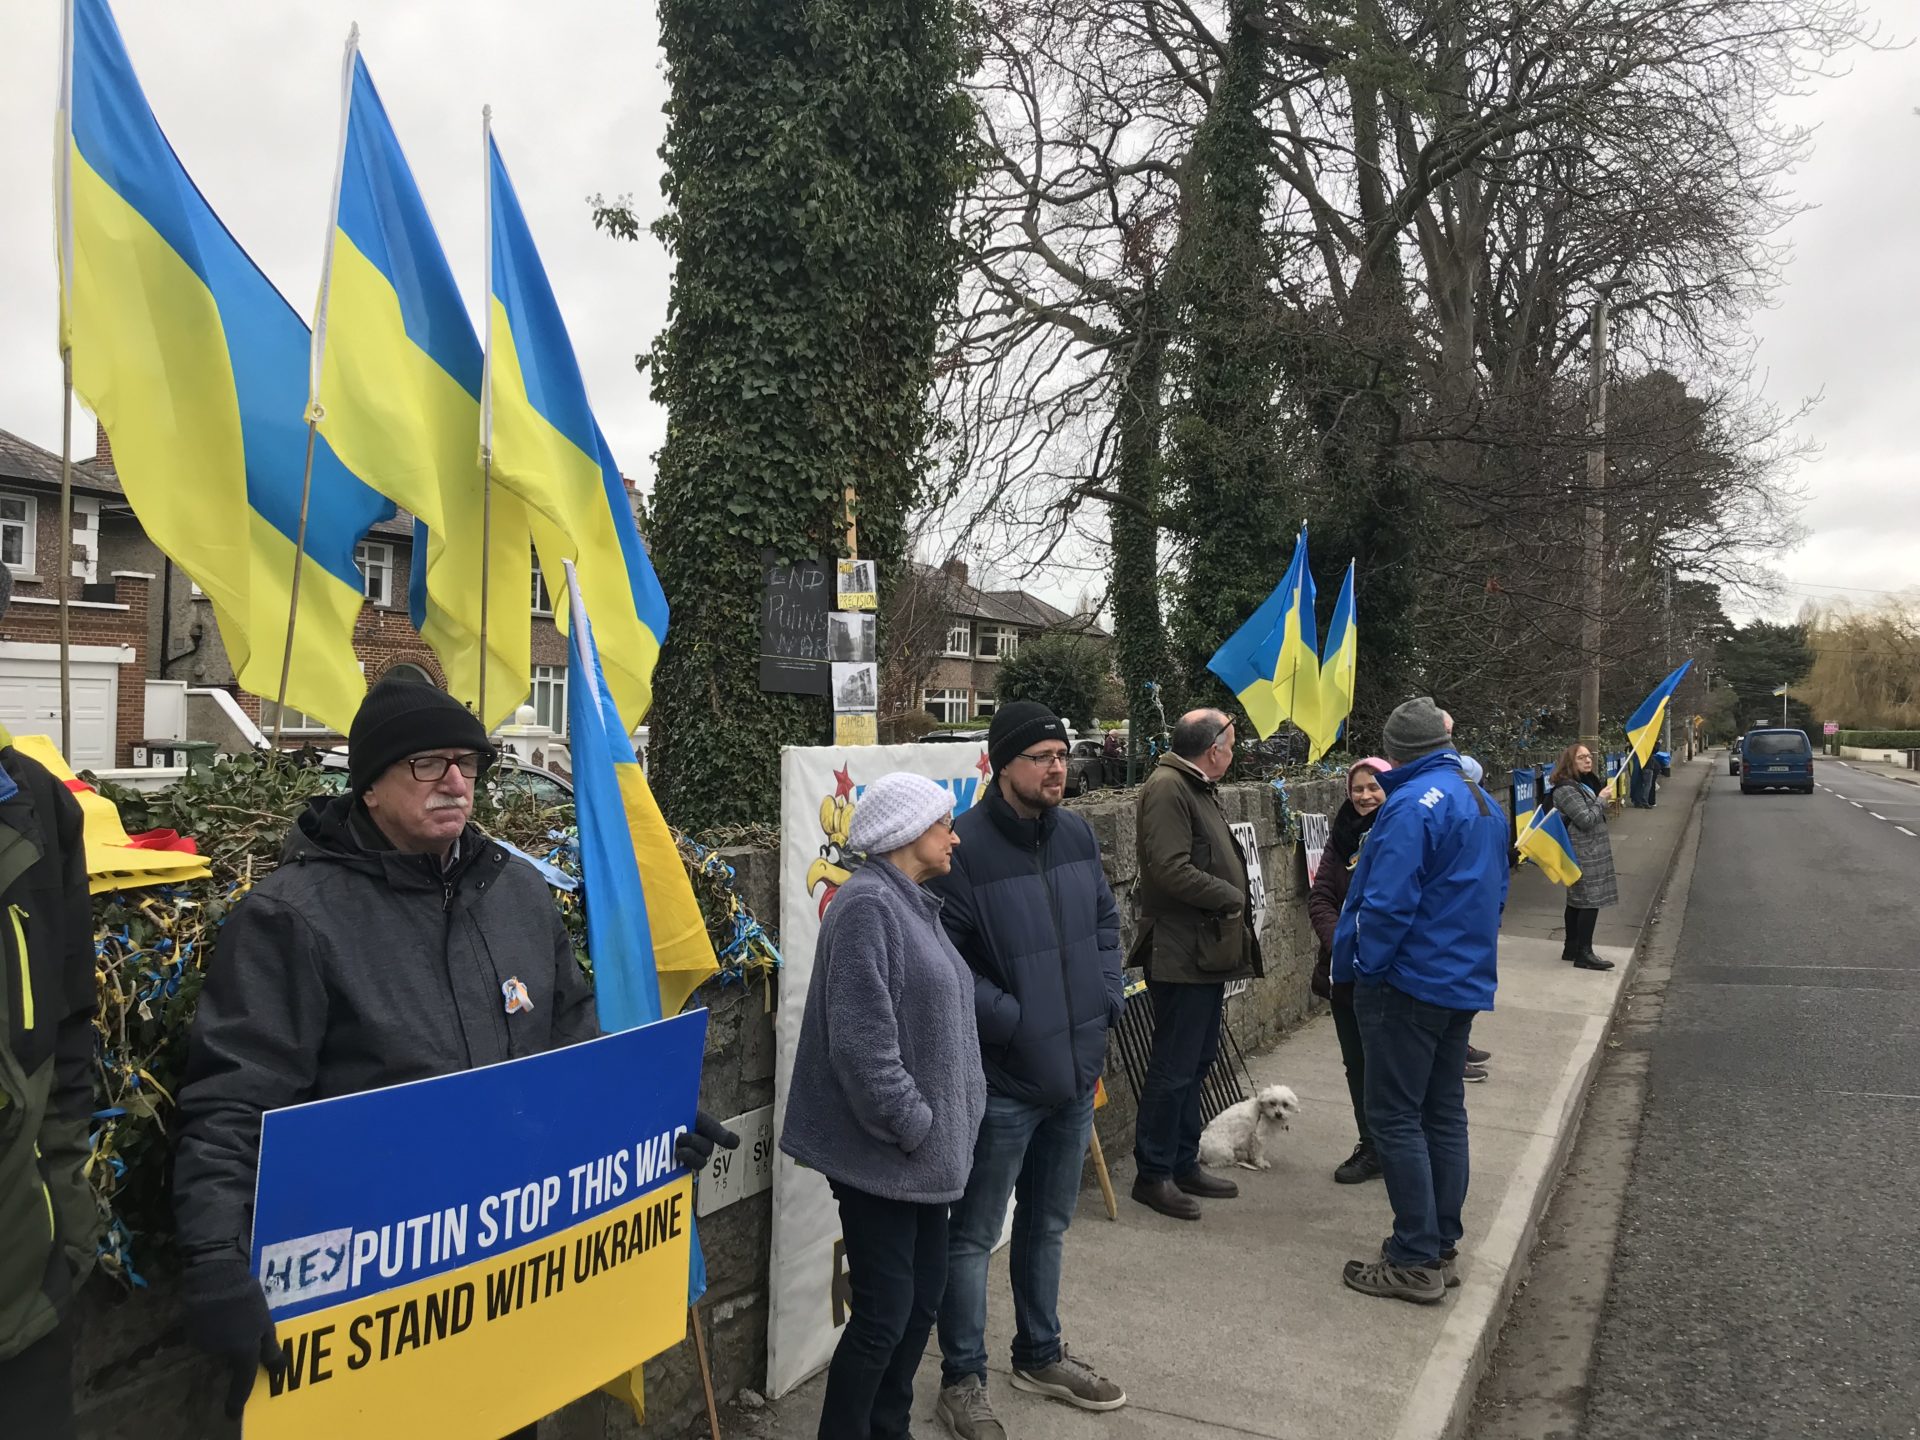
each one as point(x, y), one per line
point(1016, 726)
point(402, 717)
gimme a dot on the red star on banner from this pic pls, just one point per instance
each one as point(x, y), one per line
point(983, 765)
point(843, 782)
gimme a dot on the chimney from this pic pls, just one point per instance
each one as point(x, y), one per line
point(955, 568)
point(102, 447)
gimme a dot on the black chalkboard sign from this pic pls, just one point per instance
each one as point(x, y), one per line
point(794, 601)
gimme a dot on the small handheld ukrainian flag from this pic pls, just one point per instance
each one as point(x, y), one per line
point(1546, 843)
point(1643, 726)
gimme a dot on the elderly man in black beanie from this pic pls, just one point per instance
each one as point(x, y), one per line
point(394, 942)
point(1028, 907)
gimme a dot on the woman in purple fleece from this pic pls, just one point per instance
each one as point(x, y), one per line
point(887, 1095)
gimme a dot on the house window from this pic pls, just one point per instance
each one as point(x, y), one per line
point(959, 639)
point(16, 533)
point(984, 706)
point(998, 642)
point(297, 722)
point(376, 570)
point(949, 707)
point(542, 602)
point(549, 697)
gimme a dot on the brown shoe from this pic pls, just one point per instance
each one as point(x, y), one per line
point(1207, 1185)
point(1164, 1196)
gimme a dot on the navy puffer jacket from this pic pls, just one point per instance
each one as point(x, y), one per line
point(1028, 906)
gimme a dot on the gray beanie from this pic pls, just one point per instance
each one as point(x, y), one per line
point(896, 810)
point(1415, 728)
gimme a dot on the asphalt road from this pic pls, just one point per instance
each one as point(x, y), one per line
point(1766, 1279)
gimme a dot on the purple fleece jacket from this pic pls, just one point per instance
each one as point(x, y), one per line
point(887, 1090)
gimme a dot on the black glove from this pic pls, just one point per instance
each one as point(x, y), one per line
point(695, 1147)
point(226, 1316)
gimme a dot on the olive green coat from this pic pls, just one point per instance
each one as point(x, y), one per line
point(1195, 923)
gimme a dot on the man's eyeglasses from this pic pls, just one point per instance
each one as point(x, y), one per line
point(428, 768)
point(1045, 759)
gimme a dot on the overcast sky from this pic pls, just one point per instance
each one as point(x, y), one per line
point(249, 96)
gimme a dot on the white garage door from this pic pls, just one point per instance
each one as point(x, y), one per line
point(30, 703)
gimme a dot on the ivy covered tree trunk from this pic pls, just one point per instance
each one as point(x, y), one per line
point(813, 156)
point(1139, 634)
point(1224, 464)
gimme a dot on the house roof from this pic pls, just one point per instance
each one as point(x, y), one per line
point(1005, 607)
point(22, 461)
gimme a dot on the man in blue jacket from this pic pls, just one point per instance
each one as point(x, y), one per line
point(1028, 906)
point(1418, 938)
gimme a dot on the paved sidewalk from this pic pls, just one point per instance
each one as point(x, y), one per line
point(1239, 1325)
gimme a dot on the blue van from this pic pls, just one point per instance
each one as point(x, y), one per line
point(1776, 760)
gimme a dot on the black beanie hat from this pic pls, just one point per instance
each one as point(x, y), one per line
point(1016, 726)
point(401, 717)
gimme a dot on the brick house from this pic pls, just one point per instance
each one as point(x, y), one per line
point(140, 617)
point(982, 628)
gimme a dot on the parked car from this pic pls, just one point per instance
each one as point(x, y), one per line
point(1086, 766)
point(1733, 757)
point(1776, 759)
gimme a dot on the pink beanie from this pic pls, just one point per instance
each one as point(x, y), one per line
point(1371, 762)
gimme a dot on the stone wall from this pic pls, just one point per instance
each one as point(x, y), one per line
point(137, 1379)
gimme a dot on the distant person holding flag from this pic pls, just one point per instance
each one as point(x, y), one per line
point(1579, 800)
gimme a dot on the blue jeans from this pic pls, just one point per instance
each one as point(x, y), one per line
point(1186, 1038)
point(1033, 1153)
point(1417, 1113)
point(896, 1268)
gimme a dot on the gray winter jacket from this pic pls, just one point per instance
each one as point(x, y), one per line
point(887, 1091)
point(354, 966)
point(1586, 817)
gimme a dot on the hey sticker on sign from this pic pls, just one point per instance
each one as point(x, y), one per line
point(516, 996)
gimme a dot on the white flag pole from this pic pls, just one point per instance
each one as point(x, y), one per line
point(63, 201)
point(314, 356)
point(486, 396)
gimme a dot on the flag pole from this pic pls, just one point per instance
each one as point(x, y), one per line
point(66, 553)
point(63, 200)
point(486, 400)
point(316, 412)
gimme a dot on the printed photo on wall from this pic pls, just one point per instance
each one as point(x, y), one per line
point(858, 590)
point(850, 636)
point(856, 686)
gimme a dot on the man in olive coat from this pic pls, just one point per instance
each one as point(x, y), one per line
point(1196, 935)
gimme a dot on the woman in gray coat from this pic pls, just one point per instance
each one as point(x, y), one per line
point(887, 1096)
point(1576, 795)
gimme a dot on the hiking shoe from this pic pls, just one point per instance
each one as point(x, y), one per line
point(1072, 1380)
point(967, 1411)
point(1415, 1283)
point(1477, 1056)
point(1474, 1074)
point(1361, 1166)
point(1450, 1268)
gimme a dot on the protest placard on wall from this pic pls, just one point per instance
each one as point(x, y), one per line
point(795, 600)
point(460, 1256)
point(1314, 830)
point(820, 788)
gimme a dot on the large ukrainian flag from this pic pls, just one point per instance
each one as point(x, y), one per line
point(547, 448)
point(1643, 726)
point(1339, 665)
point(397, 389)
point(197, 367)
point(1272, 663)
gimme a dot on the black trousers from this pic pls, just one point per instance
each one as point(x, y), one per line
point(1186, 1038)
point(897, 1273)
point(36, 1387)
point(1346, 1026)
point(1580, 927)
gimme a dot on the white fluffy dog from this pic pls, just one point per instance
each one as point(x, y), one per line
point(1239, 1134)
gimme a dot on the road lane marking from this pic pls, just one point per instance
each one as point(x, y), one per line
point(1876, 815)
point(1856, 804)
point(1908, 833)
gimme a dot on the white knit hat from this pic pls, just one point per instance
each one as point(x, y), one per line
point(896, 810)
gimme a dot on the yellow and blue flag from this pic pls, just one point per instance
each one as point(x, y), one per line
point(1338, 665)
point(1643, 726)
point(645, 935)
point(196, 366)
point(548, 449)
point(395, 385)
point(1272, 663)
point(1545, 841)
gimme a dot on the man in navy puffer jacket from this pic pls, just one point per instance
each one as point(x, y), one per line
point(1028, 906)
point(1418, 937)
